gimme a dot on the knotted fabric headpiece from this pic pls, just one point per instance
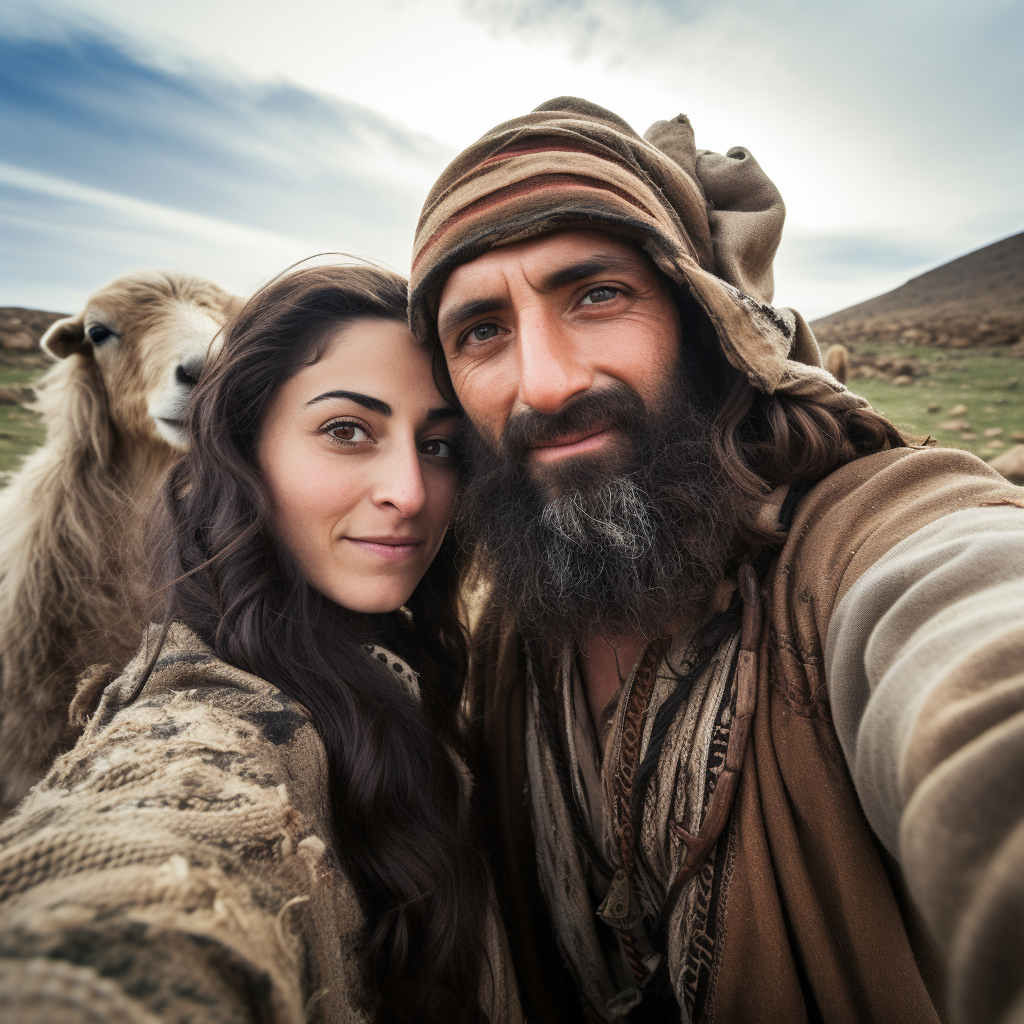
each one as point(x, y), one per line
point(710, 223)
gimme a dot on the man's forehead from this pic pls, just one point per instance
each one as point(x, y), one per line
point(537, 259)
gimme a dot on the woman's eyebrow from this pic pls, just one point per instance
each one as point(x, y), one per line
point(373, 404)
point(445, 413)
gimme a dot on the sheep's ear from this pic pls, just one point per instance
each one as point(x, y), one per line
point(65, 337)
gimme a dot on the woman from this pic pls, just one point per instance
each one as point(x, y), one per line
point(264, 819)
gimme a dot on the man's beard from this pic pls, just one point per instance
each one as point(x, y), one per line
point(615, 543)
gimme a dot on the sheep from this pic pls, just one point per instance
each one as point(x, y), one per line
point(70, 519)
point(837, 362)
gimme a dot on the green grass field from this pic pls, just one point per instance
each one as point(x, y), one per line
point(982, 381)
point(20, 430)
point(990, 385)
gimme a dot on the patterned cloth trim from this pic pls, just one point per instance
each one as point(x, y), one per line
point(680, 790)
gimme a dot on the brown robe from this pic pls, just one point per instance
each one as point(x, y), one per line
point(810, 916)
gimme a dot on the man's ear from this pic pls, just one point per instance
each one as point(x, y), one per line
point(65, 337)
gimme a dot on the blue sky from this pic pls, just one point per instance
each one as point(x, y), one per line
point(231, 138)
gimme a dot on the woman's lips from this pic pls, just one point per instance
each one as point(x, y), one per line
point(390, 549)
point(571, 444)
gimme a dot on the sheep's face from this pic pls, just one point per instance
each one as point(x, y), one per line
point(150, 337)
point(150, 373)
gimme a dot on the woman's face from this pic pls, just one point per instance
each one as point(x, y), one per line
point(357, 453)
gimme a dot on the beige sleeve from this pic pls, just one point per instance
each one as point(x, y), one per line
point(925, 670)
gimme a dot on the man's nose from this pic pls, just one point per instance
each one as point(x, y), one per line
point(399, 482)
point(552, 368)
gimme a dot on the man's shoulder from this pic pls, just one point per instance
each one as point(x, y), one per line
point(859, 512)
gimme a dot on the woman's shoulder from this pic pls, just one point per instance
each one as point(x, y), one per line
point(199, 736)
point(176, 832)
point(186, 845)
point(196, 732)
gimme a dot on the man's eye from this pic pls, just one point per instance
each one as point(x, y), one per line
point(596, 295)
point(346, 432)
point(482, 333)
point(438, 448)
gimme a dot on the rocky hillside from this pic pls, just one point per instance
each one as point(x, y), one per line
point(22, 328)
point(974, 301)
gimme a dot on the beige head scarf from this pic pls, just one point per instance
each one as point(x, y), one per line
point(711, 223)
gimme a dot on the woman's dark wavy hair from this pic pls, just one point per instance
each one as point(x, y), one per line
point(396, 795)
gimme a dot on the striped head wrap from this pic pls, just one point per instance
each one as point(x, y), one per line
point(710, 223)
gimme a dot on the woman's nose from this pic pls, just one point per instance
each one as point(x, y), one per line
point(400, 481)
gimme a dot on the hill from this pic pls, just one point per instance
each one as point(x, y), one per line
point(976, 300)
point(22, 328)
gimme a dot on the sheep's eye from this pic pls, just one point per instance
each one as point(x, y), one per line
point(99, 334)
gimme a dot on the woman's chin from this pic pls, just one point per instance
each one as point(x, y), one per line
point(371, 599)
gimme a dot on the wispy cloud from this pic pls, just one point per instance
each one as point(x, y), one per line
point(227, 174)
point(892, 129)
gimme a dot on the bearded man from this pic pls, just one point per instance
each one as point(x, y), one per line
point(747, 666)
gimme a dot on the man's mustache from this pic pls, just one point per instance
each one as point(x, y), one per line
point(617, 405)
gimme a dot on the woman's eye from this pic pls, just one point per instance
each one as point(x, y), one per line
point(438, 448)
point(483, 333)
point(347, 432)
point(596, 295)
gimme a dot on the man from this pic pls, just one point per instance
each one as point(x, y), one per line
point(746, 663)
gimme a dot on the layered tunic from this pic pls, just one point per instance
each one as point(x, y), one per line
point(180, 863)
point(885, 752)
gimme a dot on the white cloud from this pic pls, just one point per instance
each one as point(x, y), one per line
point(886, 120)
point(85, 236)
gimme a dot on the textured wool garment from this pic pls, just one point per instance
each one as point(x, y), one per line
point(710, 223)
point(181, 863)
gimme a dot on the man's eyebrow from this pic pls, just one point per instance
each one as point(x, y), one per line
point(468, 311)
point(373, 404)
point(598, 263)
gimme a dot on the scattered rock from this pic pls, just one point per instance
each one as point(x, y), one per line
point(902, 380)
point(993, 432)
point(8, 396)
point(934, 407)
point(969, 436)
point(1017, 435)
point(954, 425)
point(958, 410)
point(1012, 382)
point(1011, 464)
point(916, 336)
point(994, 446)
point(863, 373)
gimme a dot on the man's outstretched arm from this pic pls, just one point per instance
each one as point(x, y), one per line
point(925, 669)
